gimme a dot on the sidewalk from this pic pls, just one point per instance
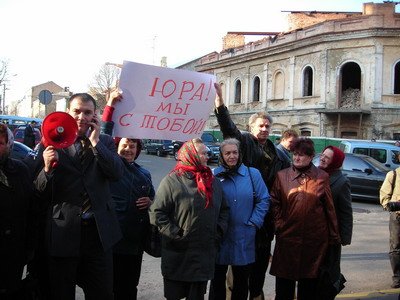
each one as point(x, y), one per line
point(390, 294)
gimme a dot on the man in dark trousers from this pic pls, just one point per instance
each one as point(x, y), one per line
point(29, 135)
point(258, 152)
point(81, 224)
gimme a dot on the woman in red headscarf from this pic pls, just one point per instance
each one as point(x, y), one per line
point(192, 215)
point(331, 161)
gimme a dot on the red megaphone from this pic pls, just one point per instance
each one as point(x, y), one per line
point(59, 130)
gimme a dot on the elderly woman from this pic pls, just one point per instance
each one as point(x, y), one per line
point(248, 199)
point(132, 196)
point(192, 215)
point(331, 161)
point(16, 192)
point(305, 224)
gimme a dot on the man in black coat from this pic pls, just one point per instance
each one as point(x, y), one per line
point(258, 152)
point(16, 218)
point(81, 225)
point(29, 135)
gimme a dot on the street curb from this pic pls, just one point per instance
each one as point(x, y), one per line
point(387, 294)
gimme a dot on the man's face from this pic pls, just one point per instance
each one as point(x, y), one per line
point(260, 129)
point(288, 143)
point(83, 113)
point(127, 149)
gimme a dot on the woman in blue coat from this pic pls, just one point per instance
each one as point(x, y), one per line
point(248, 199)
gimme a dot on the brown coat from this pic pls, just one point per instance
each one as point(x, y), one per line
point(303, 229)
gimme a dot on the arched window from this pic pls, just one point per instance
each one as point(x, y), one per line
point(307, 81)
point(238, 91)
point(396, 87)
point(256, 89)
point(350, 75)
point(279, 85)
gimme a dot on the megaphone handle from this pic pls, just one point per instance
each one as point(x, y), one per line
point(54, 164)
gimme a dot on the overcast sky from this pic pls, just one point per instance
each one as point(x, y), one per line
point(68, 41)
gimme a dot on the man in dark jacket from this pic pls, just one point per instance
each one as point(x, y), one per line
point(29, 135)
point(258, 152)
point(81, 225)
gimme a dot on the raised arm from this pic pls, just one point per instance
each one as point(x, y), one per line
point(228, 128)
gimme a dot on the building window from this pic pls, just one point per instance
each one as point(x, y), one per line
point(305, 132)
point(279, 85)
point(238, 91)
point(307, 81)
point(350, 82)
point(396, 89)
point(256, 89)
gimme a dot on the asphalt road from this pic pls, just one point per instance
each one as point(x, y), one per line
point(365, 262)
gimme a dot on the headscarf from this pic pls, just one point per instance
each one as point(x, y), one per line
point(337, 159)
point(189, 161)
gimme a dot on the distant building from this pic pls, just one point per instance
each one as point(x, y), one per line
point(334, 74)
point(40, 110)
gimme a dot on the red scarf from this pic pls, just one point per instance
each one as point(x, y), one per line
point(189, 161)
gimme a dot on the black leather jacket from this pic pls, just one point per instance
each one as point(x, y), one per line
point(266, 158)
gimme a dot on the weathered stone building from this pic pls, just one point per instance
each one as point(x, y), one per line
point(333, 74)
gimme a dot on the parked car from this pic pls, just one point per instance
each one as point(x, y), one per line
point(208, 139)
point(19, 134)
point(211, 142)
point(365, 173)
point(20, 151)
point(386, 154)
point(159, 147)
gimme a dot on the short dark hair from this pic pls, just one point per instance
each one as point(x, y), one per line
point(85, 97)
point(304, 145)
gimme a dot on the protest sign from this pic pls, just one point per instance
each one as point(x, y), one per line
point(163, 103)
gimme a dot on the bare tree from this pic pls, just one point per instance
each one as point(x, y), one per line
point(13, 108)
point(4, 64)
point(104, 82)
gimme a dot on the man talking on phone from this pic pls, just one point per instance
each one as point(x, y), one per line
point(81, 226)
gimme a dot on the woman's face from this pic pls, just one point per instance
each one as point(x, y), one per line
point(301, 160)
point(230, 154)
point(202, 151)
point(127, 149)
point(326, 158)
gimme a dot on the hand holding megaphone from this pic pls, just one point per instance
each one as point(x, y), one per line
point(59, 131)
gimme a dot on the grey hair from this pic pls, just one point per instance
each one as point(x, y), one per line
point(230, 141)
point(259, 115)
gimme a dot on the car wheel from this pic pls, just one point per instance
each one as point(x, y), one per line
point(159, 152)
point(147, 151)
point(176, 155)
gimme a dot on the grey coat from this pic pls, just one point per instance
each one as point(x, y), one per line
point(191, 233)
point(340, 188)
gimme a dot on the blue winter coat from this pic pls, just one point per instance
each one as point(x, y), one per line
point(238, 245)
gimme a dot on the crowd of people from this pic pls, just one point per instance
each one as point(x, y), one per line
point(78, 216)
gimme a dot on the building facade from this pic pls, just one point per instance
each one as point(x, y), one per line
point(332, 74)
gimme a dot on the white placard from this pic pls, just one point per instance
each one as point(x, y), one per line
point(163, 103)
